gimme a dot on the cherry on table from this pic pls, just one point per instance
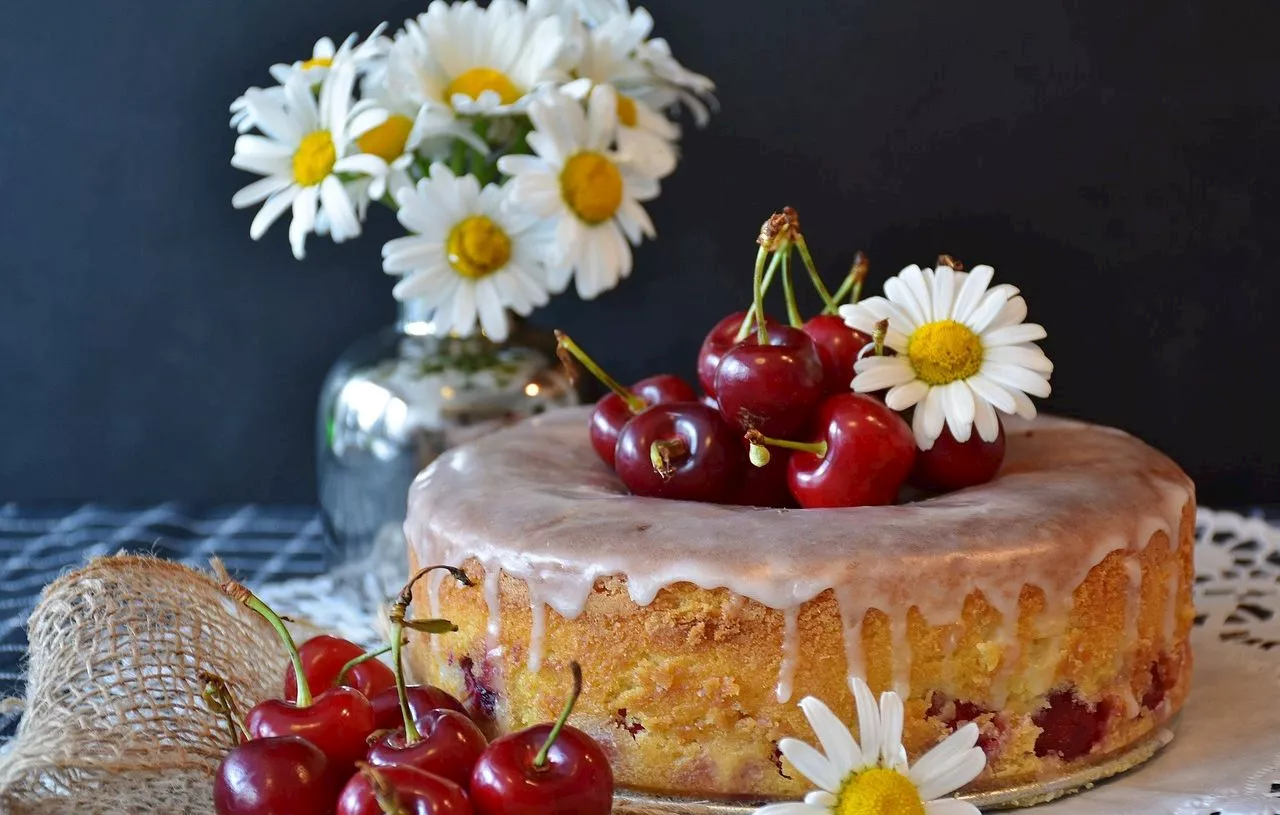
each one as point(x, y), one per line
point(326, 658)
point(771, 387)
point(338, 721)
point(447, 743)
point(682, 451)
point(422, 698)
point(548, 769)
point(860, 454)
point(838, 346)
point(274, 775)
point(722, 337)
point(617, 408)
point(401, 790)
point(953, 465)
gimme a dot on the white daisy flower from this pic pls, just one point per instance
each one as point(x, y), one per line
point(677, 84)
point(646, 138)
point(306, 144)
point(963, 351)
point(241, 117)
point(468, 60)
point(591, 193)
point(472, 254)
point(873, 777)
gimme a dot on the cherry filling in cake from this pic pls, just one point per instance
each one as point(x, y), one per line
point(1051, 606)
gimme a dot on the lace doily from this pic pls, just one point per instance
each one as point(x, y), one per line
point(1225, 755)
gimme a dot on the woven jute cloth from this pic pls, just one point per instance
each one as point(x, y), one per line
point(115, 720)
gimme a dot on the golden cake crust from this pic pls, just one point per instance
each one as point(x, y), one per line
point(690, 691)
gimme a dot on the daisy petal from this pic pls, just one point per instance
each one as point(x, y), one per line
point(944, 292)
point(259, 190)
point(955, 775)
point(990, 306)
point(868, 721)
point(914, 279)
point(812, 764)
point(271, 212)
point(975, 285)
point(1011, 313)
point(1024, 356)
point(957, 403)
point(877, 373)
point(950, 749)
point(950, 806)
point(984, 418)
point(790, 809)
point(988, 391)
point(933, 418)
point(820, 798)
point(1013, 335)
point(891, 715)
point(905, 396)
point(1012, 376)
point(1022, 405)
point(837, 742)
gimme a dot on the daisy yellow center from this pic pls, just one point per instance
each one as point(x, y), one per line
point(592, 186)
point(626, 110)
point(387, 140)
point(317, 62)
point(476, 81)
point(314, 158)
point(478, 247)
point(944, 351)
point(879, 792)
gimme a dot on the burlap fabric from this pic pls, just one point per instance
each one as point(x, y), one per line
point(115, 720)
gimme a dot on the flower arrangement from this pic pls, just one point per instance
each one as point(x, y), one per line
point(517, 144)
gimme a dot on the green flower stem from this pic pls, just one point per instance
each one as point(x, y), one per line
point(748, 322)
point(458, 157)
point(793, 309)
point(827, 300)
point(540, 760)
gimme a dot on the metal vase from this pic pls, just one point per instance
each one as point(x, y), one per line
point(395, 401)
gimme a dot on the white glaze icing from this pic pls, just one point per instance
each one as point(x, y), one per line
point(492, 584)
point(790, 653)
point(534, 501)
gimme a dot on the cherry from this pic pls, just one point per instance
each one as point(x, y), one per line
point(422, 698)
point(443, 742)
point(1068, 726)
point(401, 791)
point(331, 661)
point(547, 769)
point(838, 346)
point(448, 744)
point(765, 486)
point(953, 465)
point(617, 408)
point(338, 721)
point(861, 454)
point(284, 774)
point(722, 337)
point(770, 384)
point(683, 451)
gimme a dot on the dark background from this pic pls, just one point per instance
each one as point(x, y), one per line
point(1117, 161)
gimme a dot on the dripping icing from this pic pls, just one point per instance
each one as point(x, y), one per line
point(790, 653)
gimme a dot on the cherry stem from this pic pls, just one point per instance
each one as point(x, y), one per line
point(634, 403)
point(851, 288)
point(218, 696)
point(398, 623)
point(793, 309)
point(242, 595)
point(540, 760)
point(383, 793)
point(757, 293)
point(755, 437)
point(360, 660)
point(663, 451)
point(882, 331)
point(748, 322)
point(828, 301)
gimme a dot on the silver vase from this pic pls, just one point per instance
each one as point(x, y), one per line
point(395, 401)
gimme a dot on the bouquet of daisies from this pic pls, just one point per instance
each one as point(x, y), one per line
point(516, 143)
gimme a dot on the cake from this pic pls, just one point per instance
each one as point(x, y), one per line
point(1051, 606)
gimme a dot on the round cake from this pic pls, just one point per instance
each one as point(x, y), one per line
point(1051, 606)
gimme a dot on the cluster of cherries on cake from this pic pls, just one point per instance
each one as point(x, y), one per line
point(768, 385)
point(369, 744)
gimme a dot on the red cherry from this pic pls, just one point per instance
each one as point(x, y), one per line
point(617, 408)
point(449, 746)
point(683, 451)
point(337, 721)
point(860, 455)
point(612, 411)
point(422, 699)
point(402, 790)
point(275, 775)
point(323, 659)
point(838, 347)
point(772, 388)
point(548, 769)
point(953, 465)
point(722, 337)
point(1069, 727)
